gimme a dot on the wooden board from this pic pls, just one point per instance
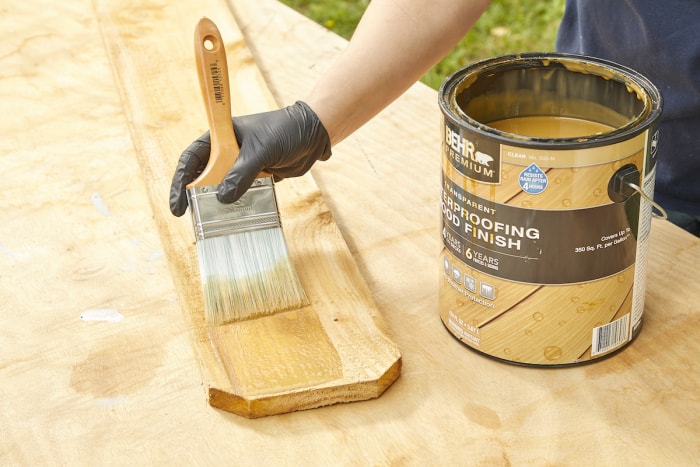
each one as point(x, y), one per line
point(122, 386)
point(336, 350)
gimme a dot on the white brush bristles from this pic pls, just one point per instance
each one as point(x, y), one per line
point(246, 275)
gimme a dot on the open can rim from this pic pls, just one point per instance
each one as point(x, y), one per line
point(633, 80)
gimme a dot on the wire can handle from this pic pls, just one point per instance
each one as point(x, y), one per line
point(662, 214)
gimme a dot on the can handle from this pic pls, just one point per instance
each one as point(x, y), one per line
point(626, 178)
point(662, 214)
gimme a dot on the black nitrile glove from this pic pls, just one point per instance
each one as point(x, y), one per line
point(284, 143)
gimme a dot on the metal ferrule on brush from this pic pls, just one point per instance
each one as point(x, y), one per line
point(255, 210)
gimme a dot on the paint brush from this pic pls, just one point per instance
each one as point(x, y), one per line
point(244, 262)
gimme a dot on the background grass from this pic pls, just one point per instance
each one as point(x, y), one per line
point(507, 26)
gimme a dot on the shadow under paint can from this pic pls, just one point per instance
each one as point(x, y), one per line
point(548, 165)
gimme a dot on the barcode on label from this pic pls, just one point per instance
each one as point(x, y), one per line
point(610, 336)
point(216, 81)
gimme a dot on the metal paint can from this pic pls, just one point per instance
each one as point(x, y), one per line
point(548, 161)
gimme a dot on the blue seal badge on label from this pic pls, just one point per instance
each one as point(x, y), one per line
point(533, 180)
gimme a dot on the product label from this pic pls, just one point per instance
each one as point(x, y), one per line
point(477, 159)
point(640, 279)
point(537, 246)
point(652, 146)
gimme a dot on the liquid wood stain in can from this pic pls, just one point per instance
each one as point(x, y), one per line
point(544, 256)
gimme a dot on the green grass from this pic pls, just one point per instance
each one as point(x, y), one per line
point(507, 26)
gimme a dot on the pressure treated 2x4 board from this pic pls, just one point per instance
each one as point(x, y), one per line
point(338, 349)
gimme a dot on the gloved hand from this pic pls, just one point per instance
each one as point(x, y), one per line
point(284, 143)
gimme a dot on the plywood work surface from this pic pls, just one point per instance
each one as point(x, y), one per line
point(97, 365)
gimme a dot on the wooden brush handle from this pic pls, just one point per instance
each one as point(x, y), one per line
point(212, 70)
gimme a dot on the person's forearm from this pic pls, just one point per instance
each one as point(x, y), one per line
point(395, 43)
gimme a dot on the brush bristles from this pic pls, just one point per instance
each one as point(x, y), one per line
point(246, 275)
